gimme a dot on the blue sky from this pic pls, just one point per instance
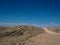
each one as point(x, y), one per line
point(30, 11)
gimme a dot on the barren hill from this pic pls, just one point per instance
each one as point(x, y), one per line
point(28, 35)
point(18, 34)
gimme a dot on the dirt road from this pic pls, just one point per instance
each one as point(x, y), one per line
point(50, 32)
point(48, 38)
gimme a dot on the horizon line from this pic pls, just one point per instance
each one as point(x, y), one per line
point(37, 25)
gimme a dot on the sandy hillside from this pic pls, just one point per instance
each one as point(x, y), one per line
point(28, 35)
point(44, 39)
point(17, 35)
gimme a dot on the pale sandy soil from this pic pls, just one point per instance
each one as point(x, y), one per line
point(50, 32)
point(28, 35)
point(44, 39)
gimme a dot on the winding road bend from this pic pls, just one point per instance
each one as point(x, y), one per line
point(50, 32)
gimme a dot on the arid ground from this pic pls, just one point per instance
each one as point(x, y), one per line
point(29, 35)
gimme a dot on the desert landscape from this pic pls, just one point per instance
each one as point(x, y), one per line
point(29, 35)
point(29, 22)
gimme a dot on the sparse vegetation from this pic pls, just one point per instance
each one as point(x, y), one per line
point(57, 30)
point(27, 35)
point(15, 35)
